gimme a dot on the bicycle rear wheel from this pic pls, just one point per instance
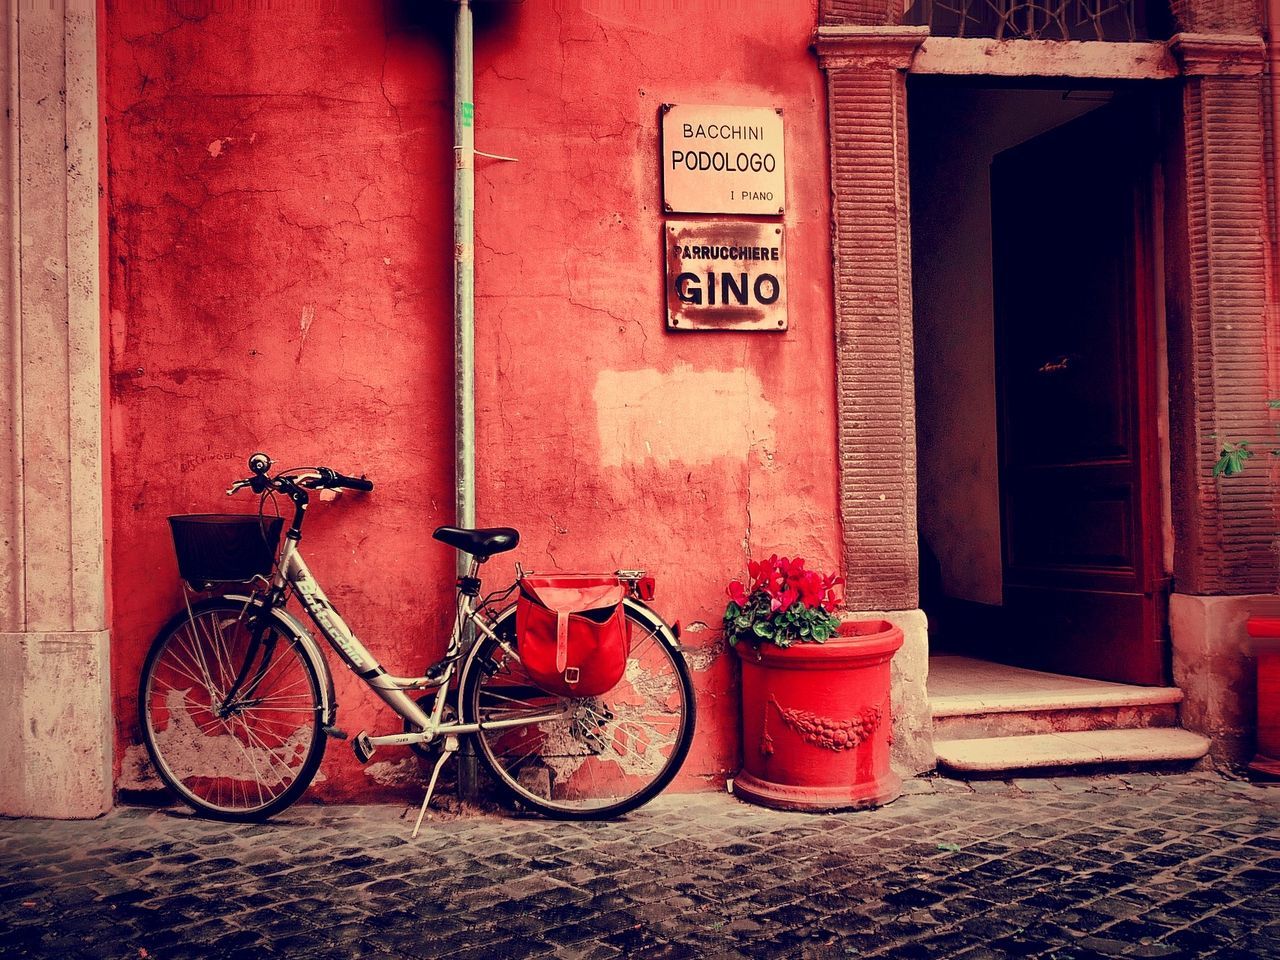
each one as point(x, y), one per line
point(242, 759)
point(608, 754)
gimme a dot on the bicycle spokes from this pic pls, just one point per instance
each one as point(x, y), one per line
point(603, 751)
point(233, 721)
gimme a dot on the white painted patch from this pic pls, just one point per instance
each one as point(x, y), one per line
point(215, 750)
point(702, 659)
point(684, 416)
point(304, 324)
point(197, 750)
point(215, 148)
point(394, 773)
point(137, 773)
point(637, 735)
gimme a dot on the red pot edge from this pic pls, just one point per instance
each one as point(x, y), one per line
point(857, 640)
point(809, 799)
point(1263, 626)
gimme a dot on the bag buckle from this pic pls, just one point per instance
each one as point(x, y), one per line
point(571, 675)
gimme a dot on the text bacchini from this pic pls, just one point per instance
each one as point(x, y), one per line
point(719, 159)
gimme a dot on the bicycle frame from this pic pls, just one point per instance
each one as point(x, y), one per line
point(393, 690)
point(213, 743)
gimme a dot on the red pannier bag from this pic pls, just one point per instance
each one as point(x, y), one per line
point(571, 633)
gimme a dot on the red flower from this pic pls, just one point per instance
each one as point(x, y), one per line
point(793, 569)
point(830, 583)
point(764, 575)
point(806, 597)
point(811, 589)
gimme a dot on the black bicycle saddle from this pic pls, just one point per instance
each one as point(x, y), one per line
point(481, 543)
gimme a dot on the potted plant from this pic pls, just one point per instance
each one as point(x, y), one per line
point(816, 723)
point(1263, 628)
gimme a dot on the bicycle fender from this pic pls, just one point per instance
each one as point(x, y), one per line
point(495, 625)
point(665, 631)
point(310, 649)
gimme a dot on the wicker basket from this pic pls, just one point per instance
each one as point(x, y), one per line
point(224, 548)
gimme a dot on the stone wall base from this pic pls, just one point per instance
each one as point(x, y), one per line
point(55, 725)
point(912, 716)
point(1212, 667)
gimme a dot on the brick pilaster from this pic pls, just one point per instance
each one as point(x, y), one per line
point(866, 86)
point(1219, 339)
point(859, 13)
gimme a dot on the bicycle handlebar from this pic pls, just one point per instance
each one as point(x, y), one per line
point(314, 478)
point(332, 479)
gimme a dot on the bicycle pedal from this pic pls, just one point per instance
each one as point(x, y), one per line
point(334, 732)
point(362, 747)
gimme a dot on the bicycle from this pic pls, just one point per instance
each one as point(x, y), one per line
point(237, 704)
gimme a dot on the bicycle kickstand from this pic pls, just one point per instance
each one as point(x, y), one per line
point(449, 749)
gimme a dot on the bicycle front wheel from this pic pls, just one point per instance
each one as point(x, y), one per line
point(230, 754)
point(603, 755)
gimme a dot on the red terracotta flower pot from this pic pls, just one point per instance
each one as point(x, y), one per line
point(816, 724)
point(1264, 644)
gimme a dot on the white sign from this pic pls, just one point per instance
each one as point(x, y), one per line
point(726, 275)
point(722, 159)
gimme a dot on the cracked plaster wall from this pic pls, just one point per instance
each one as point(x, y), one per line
point(279, 189)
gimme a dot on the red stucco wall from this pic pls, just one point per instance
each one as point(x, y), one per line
point(280, 237)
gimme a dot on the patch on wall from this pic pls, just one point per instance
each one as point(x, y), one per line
point(394, 773)
point(136, 772)
point(683, 416)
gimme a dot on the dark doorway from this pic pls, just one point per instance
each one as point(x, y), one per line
point(1075, 374)
point(1041, 543)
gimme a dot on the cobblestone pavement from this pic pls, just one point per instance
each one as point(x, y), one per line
point(1138, 865)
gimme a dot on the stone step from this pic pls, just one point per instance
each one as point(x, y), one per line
point(1098, 706)
point(1052, 752)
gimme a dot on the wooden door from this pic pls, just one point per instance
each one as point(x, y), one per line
point(1084, 588)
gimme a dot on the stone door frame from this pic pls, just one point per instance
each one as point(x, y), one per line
point(1218, 285)
point(55, 690)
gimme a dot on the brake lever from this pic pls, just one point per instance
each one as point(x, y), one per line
point(257, 484)
point(327, 493)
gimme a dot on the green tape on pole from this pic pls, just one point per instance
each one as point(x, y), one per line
point(468, 113)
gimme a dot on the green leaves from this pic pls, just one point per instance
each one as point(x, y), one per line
point(758, 622)
point(1234, 453)
point(1231, 458)
point(788, 603)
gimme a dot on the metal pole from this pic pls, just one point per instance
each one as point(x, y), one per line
point(464, 191)
point(464, 195)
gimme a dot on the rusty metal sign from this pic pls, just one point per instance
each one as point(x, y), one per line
point(725, 275)
point(722, 159)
